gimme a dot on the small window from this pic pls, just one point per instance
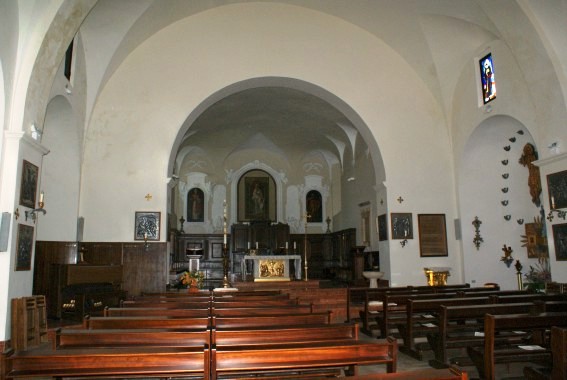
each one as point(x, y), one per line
point(487, 80)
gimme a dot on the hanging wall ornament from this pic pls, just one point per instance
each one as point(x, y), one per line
point(507, 258)
point(505, 175)
point(529, 155)
point(504, 162)
point(512, 139)
point(507, 148)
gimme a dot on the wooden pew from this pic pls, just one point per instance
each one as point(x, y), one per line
point(485, 358)
point(284, 334)
point(394, 309)
point(145, 322)
point(452, 373)
point(463, 326)
point(253, 303)
point(420, 316)
point(270, 320)
point(371, 300)
point(166, 304)
point(123, 362)
point(65, 338)
point(559, 359)
point(278, 360)
point(265, 310)
point(154, 311)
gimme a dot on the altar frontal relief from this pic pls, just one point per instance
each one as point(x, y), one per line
point(273, 270)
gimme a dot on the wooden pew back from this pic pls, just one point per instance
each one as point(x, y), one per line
point(146, 322)
point(271, 320)
point(284, 334)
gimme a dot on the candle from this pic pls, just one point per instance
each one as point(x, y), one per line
point(248, 245)
point(41, 197)
point(256, 245)
point(552, 202)
point(286, 245)
point(224, 240)
point(294, 245)
point(145, 236)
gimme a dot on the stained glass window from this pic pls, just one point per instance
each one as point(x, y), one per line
point(488, 82)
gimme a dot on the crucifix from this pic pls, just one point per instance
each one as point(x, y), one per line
point(148, 197)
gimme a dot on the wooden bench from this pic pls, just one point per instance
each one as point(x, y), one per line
point(485, 358)
point(420, 315)
point(145, 322)
point(266, 310)
point(394, 310)
point(284, 334)
point(270, 320)
point(253, 303)
point(370, 298)
point(154, 311)
point(452, 373)
point(166, 304)
point(277, 360)
point(559, 359)
point(463, 326)
point(123, 362)
point(65, 338)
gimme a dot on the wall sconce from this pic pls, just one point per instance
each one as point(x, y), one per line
point(404, 242)
point(32, 214)
point(477, 238)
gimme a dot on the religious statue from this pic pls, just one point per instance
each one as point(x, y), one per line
point(529, 155)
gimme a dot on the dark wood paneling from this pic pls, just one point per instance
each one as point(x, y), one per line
point(47, 253)
point(144, 270)
point(101, 253)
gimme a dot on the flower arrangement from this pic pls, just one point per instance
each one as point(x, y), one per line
point(539, 275)
point(193, 279)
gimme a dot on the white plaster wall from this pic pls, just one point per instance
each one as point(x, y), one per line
point(132, 131)
point(60, 173)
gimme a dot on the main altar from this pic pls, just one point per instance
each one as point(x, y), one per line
point(272, 267)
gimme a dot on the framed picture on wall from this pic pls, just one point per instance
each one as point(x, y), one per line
point(432, 235)
point(256, 197)
point(382, 226)
point(28, 184)
point(147, 225)
point(560, 239)
point(402, 227)
point(557, 189)
point(24, 247)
